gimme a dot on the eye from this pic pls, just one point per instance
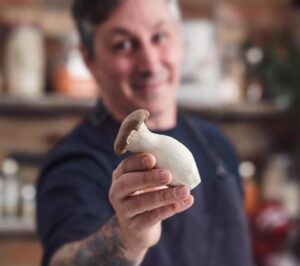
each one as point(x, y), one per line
point(124, 46)
point(160, 37)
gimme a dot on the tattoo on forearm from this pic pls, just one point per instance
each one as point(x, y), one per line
point(101, 249)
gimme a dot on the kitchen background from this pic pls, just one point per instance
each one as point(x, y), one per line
point(242, 72)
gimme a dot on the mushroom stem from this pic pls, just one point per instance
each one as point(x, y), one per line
point(169, 153)
point(142, 140)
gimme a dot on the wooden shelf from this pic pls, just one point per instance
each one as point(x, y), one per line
point(239, 112)
point(46, 18)
point(16, 227)
point(53, 105)
point(46, 106)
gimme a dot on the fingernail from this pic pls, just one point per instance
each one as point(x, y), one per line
point(164, 176)
point(182, 192)
point(147, 161)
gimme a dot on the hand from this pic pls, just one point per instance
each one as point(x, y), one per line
point(140, 214)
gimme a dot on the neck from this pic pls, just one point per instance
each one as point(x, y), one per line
point(162, 121)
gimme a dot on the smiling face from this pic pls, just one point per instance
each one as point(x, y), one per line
point(137, 57)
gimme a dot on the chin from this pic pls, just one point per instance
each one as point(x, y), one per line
point(159, 107)
point(158, 101)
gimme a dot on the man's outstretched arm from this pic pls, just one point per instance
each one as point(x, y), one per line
point(102, 248)
point(125, 238)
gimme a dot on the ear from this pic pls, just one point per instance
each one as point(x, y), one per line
point(89, 59)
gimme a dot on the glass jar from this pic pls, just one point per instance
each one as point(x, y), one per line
point(24, 61)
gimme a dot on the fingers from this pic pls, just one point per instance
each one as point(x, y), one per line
point(136, 162)
point(150, 218)
point(152, 200)
point(129, 183)
point(135, 206)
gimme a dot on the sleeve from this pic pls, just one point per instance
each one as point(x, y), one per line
point(72, 202)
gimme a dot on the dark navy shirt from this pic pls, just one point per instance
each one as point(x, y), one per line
point(73, 203)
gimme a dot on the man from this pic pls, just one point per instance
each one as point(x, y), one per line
point(86, 212)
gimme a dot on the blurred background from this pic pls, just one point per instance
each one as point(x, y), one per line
point(242, 72)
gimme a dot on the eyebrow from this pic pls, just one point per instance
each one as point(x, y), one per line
point(119, 30)
point(123, 31)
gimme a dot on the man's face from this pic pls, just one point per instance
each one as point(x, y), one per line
point(138, 53)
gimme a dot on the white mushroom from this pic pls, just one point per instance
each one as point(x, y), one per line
point(170, 154)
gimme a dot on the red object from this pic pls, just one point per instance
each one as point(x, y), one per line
point(270, 227)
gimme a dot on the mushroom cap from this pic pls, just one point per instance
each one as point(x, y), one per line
point(132, 122)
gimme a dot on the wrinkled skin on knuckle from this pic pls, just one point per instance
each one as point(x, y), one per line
point(145, 177)
point(168, 212)
point(173, 208)
point(137, 203)
point(163, 196)
point(177, 208)
point(155, 215)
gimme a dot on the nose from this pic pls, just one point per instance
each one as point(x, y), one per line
point(148, 60)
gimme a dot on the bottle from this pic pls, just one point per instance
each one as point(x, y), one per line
point(276, 177)
point(71, 76)
point(247, 171)
point(28, 202)
point(1, 197)
point(10, 188)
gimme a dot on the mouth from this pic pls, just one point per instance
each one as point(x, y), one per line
point(148, 86)
point(151, 83)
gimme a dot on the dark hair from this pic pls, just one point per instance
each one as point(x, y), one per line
point(90, 13)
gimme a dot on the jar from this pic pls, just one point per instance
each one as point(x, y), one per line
point(28, 202)
point(24, 61)
point(10, 188)
point(70, 76)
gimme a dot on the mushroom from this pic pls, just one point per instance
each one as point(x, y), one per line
point(170, 154)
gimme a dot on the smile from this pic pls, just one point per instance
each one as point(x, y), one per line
point(150, 83)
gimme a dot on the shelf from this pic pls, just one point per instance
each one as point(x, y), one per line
point(53, 105)
point(46, 106)
point(16, 227)
point(239, 111)
point(45, 18)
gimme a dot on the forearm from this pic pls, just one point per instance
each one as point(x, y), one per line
point(100, 249)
